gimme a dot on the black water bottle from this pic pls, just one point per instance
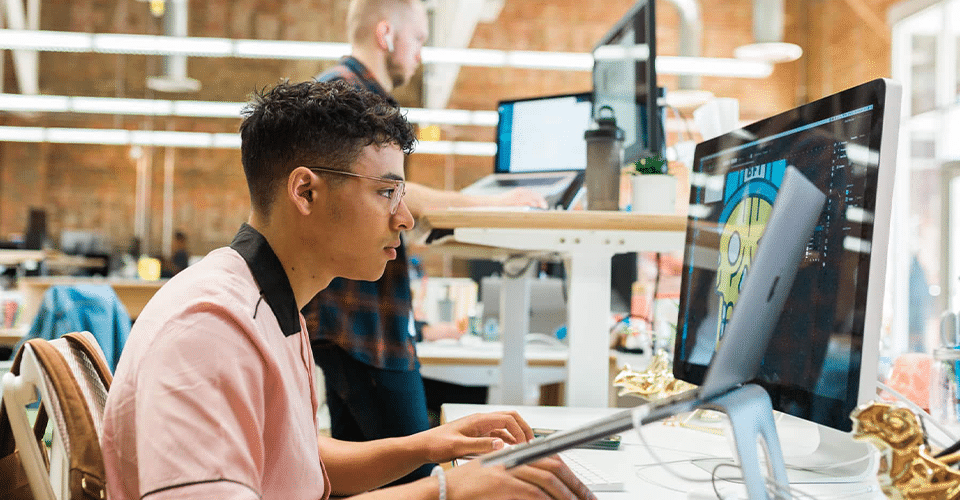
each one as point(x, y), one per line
point(604, 160)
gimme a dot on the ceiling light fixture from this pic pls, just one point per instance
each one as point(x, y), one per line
point(204, 109)
point(768, 46)
point(60, 41)
point(165, 138)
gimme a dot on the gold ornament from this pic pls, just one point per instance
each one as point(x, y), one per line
point(656, 382)
point(907, 468)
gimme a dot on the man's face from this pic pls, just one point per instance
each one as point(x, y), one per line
point(361, 234)
point(411, 32)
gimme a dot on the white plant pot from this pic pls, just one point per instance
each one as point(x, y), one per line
point(653, 194)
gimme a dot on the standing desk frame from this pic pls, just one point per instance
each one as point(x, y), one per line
point(587, 240)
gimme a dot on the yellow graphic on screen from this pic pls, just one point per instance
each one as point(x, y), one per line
point(738, 247)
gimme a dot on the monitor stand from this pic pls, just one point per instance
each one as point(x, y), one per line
point(813, 454)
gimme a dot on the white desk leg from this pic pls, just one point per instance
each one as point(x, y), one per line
point(514, 325)
point(588, 311)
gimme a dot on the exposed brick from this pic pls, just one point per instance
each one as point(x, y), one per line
point(92, 187)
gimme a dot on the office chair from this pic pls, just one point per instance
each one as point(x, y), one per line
point(71, 376)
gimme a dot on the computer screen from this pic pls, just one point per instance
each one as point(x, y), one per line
point(625, 79)
point(823, 357)
point(543, 134)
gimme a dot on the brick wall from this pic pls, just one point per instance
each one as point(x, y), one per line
point(92, 187)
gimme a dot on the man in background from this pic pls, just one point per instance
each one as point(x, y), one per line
point(180, 258)
point(363, 333)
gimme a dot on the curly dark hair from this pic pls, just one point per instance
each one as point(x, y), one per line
point(325, 124)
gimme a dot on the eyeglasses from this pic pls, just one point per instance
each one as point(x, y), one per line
point(394, 195)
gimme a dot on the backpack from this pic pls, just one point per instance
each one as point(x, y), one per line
point(77, 458)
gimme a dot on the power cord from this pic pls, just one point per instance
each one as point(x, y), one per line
point(511, 262)
point(684, 119)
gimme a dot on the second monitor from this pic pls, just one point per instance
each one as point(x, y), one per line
point(822, 361)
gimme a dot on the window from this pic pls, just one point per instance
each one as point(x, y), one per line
point(924, 274)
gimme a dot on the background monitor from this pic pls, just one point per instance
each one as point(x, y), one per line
point(36, 231)
point(81, 242)
point(543, 134)
point(822, 360)
point(625, 78)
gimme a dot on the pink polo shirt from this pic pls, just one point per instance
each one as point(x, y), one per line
point(213, 396)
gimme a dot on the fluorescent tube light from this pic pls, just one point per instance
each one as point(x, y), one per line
point(162, 45)
point(226, 141)
point(60, 41)
point(120, 106)
point(88, 136)
point(466, 57)
point(452, 116)
point(207, 109)
point(434, 147)
point(21, 134)
point(712, 66)
point(110, 43)
point(465, 148)
point(284, 49)
point(550, 60)
point(171, 138)
point(34, 103)
point(639, 52)
point(168, 138)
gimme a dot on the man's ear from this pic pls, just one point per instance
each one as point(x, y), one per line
point(385, 35)
point(302, 189)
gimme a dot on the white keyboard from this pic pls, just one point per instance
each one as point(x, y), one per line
point(589, 473)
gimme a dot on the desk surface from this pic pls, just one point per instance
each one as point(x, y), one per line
point(553, 219)
point(641, 463)
point(50, 257)
point(486, 353)
point(134, 293)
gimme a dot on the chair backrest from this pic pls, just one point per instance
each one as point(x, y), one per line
point(72, 380)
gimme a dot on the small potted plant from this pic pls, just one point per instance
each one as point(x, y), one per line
point(652, 189)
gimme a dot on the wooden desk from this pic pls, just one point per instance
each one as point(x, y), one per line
point(133, 293)
point(49, 257)
point(587, 240)
point(10, 336)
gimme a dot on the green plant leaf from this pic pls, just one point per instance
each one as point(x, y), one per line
point(651, 165)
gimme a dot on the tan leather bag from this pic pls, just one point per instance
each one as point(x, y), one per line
point(87, 479)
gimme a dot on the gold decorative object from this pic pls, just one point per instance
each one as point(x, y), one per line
point(907, 468)
point(656, 382)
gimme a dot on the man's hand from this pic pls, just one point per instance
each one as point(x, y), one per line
point(474, 435)
point(437, 331)
point(548, 478)
point(520, 197)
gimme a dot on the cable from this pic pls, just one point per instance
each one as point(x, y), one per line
point(662, 462)
point(924, 416)
point(521, 272)
point(686, 122)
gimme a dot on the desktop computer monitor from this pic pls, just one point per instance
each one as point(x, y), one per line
point(822, 360)
point(625, 79)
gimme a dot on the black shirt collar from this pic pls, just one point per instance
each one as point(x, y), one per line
point(268, 272)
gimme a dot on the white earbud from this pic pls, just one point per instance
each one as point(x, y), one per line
point(389, 42)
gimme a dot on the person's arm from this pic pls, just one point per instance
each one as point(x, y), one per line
point(548, 478)
point(356, 467)
point(420, 198)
